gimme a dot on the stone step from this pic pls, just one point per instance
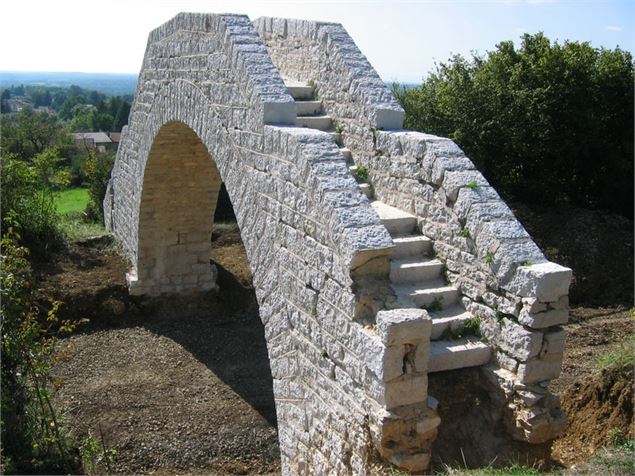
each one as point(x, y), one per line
point(366, 190)
point(414, 269)
point(346, 153)
point(396, 221)
point(432, 295)
point(452, 317)
point(458, 354)
point(308, 108)
point(411, 245)
point(337, 137)
point(322, 123)
point(301, 92)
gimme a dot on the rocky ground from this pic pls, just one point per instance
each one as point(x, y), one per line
point(183, 385)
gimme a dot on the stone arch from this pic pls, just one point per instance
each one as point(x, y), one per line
point(318, 252)
point(181, 184)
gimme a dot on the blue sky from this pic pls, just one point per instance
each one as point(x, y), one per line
point(402, 39)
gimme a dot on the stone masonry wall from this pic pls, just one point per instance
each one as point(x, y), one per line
point(520, 297)
point(350, 89)
point(209, 92)
point(504, 278)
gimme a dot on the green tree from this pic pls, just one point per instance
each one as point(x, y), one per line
point(27, 199)
point(27, 133)
point(544, 122)
point(98, 168)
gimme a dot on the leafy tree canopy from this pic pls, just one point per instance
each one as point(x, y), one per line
point(545, 122)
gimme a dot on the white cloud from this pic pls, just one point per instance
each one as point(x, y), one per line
point(613, 28)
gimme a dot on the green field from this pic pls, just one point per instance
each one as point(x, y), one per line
point(73, 200)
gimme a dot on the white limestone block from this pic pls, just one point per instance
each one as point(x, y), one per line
point(537, 370)
point(547, 282)
point(406, 391)
point(401, 326)
point(540, 320)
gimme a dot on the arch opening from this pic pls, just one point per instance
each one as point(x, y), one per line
point(181, 186)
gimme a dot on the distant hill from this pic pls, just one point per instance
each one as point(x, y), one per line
point(107, 83)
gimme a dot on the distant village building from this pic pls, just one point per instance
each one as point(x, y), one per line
point(99, 141)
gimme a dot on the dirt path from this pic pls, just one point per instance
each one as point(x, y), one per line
point(178, 386)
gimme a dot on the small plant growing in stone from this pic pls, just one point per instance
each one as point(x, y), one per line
point(311, 82)
point(361, 174)
point(489, 258)
point(501, 316)
point(339, 128)
point(472, 185)
point(526, 263)
point(435, 306)
point(469, 328)
point(324, 354)
point(465, 233)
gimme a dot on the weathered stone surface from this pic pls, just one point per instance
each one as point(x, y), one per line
point(401, 326)
point(211, 107)
point(547, 282)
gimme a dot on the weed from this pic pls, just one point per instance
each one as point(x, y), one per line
point(622, 356)
point(324, 354)
point(501, 316)
point(339, 128)
point(435, 306)
point(311, 83)
point(618, 439)
point(489, 258)
point(526, 263)
point(94, 453)
point(465, 233)
point(472, 185)
point(470, 327)
point(361, 174)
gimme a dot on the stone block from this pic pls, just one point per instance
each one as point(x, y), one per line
point(402, 326)
point(548, 282)
point(536, 370)
point(453, 181)
point(544, 319)
point(407, 390)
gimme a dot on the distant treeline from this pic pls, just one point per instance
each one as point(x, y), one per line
point(113, 84)
point(82, 109)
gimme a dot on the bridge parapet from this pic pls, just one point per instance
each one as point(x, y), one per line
point(519, 297)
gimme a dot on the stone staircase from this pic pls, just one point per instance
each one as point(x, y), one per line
point(418, 281)
point(416, 276)
point(310, 113)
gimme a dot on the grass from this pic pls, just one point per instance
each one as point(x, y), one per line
point(72, 200)
point(77, 227)
point(514, 470)
point(621, 356)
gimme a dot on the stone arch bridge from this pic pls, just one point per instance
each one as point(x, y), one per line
point(371, 247)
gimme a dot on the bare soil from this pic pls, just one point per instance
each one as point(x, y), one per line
point(179, 385)
point(183, 385)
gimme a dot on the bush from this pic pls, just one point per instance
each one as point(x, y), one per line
point(32, 439)
point(545, 122)
point(28, 194)
point(98, 168)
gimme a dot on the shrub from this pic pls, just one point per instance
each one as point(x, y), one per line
point(544, 122)
point(98, 168)
point(28, 194)
point(32, 439)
